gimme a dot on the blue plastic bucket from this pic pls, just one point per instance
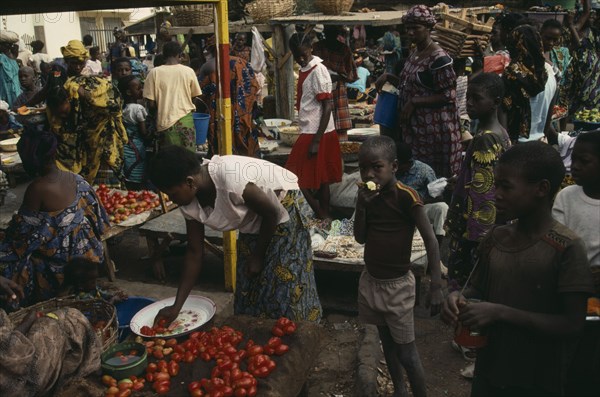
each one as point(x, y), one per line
point(126, 310)
point(386, 110)
point(201, 123)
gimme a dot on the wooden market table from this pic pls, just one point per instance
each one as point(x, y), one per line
point(162, 230)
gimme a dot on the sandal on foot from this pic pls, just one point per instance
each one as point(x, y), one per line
point(468, 354)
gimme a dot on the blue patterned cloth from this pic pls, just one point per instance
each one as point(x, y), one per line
point(38, 245)
point(286, 286)
point(10, 88)
point(418, 177)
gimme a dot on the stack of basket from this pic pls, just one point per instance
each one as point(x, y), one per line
point(334, 7)
point(460, 35)
point(261, 11)
point(193, 14)
point(101, 314)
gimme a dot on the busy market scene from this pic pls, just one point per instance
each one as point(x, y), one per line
point(338, 198)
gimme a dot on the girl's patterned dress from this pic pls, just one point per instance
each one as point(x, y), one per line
point(432, 133)
point(38, 245)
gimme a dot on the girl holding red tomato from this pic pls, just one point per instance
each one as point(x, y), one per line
point(260, 199)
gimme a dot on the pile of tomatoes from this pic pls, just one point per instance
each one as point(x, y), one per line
point(124, 387)
point(159, 329)
point(237, 366)
point(120, 206)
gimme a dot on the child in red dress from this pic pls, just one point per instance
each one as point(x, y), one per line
point(315, 157)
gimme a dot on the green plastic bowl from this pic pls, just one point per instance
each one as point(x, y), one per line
point(119, 372)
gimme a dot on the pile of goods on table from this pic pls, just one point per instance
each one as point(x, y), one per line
point(236, 364)
point(121, 205)
point(461, 35)
point(340, 243)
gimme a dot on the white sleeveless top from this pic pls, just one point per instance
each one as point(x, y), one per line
point(231, 174)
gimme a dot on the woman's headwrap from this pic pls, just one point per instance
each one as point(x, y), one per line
point(36, 149)
point(420, 14)
point(4, 106)
point(75, 49)
point(9, 37)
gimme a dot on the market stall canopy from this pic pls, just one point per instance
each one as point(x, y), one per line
point(16, 7)
point(374, 18)
point(147, 25)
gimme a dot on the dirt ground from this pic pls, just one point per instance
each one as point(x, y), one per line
point(335, 371)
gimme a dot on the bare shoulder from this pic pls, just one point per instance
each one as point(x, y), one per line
point(32, 200)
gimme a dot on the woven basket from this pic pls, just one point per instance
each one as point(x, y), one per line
point(193, 14)
point(95, 310)
point(334, 7)
point(262, 11)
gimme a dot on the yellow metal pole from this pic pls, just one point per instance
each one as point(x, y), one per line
point(226, 135)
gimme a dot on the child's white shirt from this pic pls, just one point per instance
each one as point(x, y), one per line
point(580, 213)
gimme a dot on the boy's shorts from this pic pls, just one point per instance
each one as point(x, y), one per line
point(388, 302)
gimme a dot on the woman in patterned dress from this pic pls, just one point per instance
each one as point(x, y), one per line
point(262, 200)
point(585, 37)
point(244, 92)
point(429, 120)
point(60, 219)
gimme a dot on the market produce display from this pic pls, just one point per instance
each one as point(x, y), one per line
point(237, 366)
point(588, 115)
point(120, 205)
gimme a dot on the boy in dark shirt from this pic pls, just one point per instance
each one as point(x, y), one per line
point(533, 277)
point(386, 215)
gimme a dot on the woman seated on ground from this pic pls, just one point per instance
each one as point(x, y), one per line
point(60, 218)
point(274, 275)
point(40, 355)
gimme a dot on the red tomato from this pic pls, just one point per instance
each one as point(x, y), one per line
point(205, 357)
point(197, 393)
point(236, 374)
point(173, 368)
point(152, 367)
point(252, 391)
point(158, 354)
point(261, 372)
point(162, 365)
point(274, 341)
point(270, 365)
point(193, 386)
point(229, 350)
point(240, 392)
point(137, 386)
point(176, 357)
point(269, 350)
point(179, 349)
point(150, 377)
point(281, 350)
point(112, 390)
point(290, 328)
point(188, 357)
point(277, 331)
point(161, 377)
point(243, 383)
point(147, 331)
point(171, 342)
point(254, 350)
point(227, 391)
